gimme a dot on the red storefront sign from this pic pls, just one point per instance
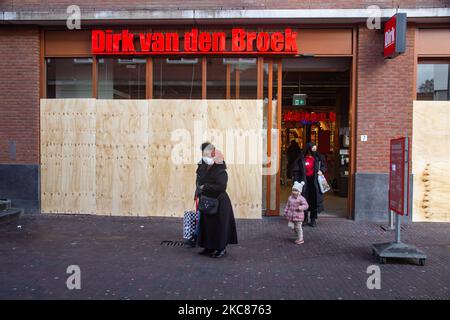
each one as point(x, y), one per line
point(105, 42)
point(395, 35)
point(299, 116)
point(398, 177)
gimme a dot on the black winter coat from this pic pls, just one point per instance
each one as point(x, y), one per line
point(299, 174)
point(218, 230)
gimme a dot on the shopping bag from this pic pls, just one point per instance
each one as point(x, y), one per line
point(189, 223)
point(323, 184)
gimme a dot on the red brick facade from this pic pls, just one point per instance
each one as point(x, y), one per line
point(44, 5)
point(384, 99)
point(19, 93)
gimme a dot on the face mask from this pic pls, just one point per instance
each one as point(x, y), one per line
point(209, 161)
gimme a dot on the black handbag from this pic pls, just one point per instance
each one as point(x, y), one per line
point(208, 205)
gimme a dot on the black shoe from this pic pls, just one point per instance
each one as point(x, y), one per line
point(189, 243)
point(304, 223)
point(219, 253)
point(206, 252)
point(313, 223)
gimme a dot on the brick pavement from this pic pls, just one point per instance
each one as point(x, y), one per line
point(122, 258)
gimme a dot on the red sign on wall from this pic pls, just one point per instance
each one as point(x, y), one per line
point(309, 116)
point(399, 177)
point(395, 35)
point(106, 42)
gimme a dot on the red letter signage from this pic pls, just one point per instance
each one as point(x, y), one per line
point(395, 35)
point(106, 42)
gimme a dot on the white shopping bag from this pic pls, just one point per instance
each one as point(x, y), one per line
point(323, 184)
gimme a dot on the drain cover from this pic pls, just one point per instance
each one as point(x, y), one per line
point(170, 243)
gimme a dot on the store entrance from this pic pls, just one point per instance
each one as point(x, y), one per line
point(315, 107)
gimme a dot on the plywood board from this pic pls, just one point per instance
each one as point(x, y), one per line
point(431, 161)
point(138, 157)
point(172, 160)
point(122, 145)
point(239, 119)
point(68, 156)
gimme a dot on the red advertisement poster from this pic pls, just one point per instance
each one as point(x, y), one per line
point(397, 172)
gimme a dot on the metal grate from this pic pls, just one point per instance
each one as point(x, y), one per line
point(386, 228)
point(170, 243)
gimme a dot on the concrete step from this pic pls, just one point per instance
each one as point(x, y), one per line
point(10, 214)
point(5, 204)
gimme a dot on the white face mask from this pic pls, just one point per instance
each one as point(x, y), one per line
point(209, 161)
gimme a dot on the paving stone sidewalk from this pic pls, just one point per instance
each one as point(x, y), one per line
point(122, 258)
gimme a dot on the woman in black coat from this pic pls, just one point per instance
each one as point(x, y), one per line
point(293, 152)
point(218, 230)
point(307, 168)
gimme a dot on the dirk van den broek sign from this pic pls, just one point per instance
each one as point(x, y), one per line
point(242, 42)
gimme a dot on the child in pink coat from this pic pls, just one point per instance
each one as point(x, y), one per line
point(294, 211)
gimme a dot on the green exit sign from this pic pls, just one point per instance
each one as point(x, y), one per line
point(299, 100)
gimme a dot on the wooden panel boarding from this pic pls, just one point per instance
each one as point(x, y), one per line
point(68, 156)
point(115, 157)
point(237, 126)
point(122, 157)
point(431, 161)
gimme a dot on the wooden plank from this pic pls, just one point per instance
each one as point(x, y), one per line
point(431, 177)
point(238, 84)
point(149, 78)
point(228, 76)
point(259, 75)
point(231, 118)
point(94, 77)
point(204, 66)
point(352, 125)
point(74, 43)
point(433, 42)
point(269, 136)
point(172, 159)
point(68, 155)
point(325, 42)
point(42, 66)
point(279, 109)
point(121, 171)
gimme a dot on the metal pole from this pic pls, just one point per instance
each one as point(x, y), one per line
point(397, 228)
point(405, 193)
point(391, 220)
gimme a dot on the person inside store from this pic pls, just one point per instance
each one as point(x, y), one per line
point(217, 226)
point(293, 152)
point(308, 166)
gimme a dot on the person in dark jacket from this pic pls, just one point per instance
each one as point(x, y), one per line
point(293, 152)
point(218, 230)
point(307, 168)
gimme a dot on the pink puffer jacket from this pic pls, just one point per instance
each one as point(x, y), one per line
point(295, 208)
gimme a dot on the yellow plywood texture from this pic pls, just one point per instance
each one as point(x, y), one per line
point(68, 156)
point(172, 173)
point(138, 157)
point(240, 122)
point(122, 144)
point(431, 161)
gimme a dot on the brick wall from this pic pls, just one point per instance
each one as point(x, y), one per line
point(384, 99)
point(19, 93)
point(42, 5)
